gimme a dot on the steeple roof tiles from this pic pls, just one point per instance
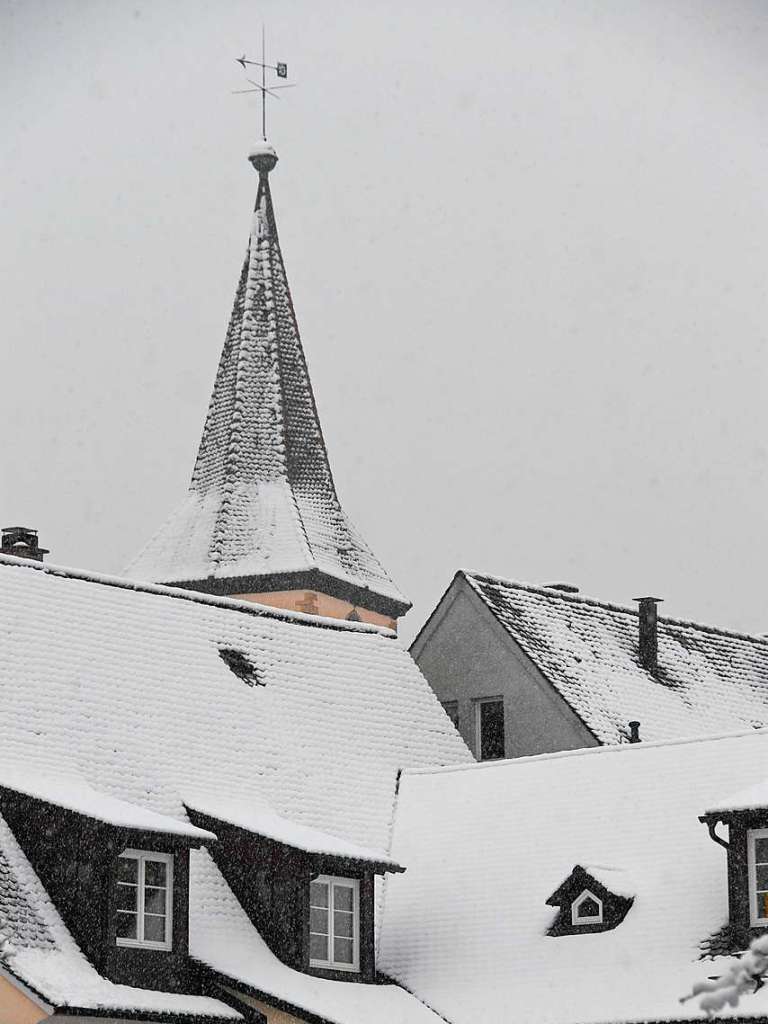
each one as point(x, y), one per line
point(262, 500)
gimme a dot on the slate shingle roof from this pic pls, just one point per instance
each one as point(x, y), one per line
point(262, 501)
point(465, 928)
point(709, 680)
point(122, 685)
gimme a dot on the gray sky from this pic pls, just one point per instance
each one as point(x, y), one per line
point(527, 243)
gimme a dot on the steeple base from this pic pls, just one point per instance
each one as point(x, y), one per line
point(313, 602)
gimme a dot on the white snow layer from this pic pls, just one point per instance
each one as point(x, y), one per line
point(126, 690)
point(258, 817)
point(751, 798)
point(709, 681)
point(223, 937)
point(75, 794)
point(465, 927)
point(54, 966)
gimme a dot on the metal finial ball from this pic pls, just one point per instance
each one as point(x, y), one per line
point(263, 157)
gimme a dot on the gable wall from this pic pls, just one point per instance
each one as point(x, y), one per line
point(465, 654)
point(17, 1008)
point(314, 602)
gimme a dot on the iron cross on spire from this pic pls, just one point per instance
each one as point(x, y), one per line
point(262, 87)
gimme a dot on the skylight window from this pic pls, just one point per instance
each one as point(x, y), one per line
point(237, 662)
point(144, 899)
point(757, 857)
point(587, 909)
point(334, 923)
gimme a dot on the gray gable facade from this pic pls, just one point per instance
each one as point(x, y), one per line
point(568, 671)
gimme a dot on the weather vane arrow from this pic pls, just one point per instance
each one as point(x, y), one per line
point(280, 69)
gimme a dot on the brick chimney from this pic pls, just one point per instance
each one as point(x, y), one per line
point(648, 641)
point(22, 542)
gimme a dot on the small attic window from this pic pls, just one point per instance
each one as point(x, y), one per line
point(587, 909)
point(237, 662)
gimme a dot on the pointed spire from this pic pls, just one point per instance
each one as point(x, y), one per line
point(262, 514)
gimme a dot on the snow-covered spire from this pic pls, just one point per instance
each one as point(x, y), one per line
point(262, 515)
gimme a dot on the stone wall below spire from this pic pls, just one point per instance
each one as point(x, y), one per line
point(314, 602)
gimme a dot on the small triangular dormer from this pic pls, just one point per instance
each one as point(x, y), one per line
point(591, 899)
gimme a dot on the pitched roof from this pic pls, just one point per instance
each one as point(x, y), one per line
point(709, 680)
point(262, 501)
point(122, 685)
point(465, 928)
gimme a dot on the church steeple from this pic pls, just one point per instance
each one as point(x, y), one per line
point(261, 518)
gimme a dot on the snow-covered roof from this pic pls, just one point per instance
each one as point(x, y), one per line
point(75, 794)
point(262, 503)
point(749, 798)
point(465, 928)
point(258, 817)
point(37, 948)
point(708, 680)
point(122, 686)
point(223, 938)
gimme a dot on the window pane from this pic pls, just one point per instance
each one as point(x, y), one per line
point(491, 729)
point(343, 898)
point(127, 897)
point(318, 894)
point(761, 851)
point(342, 951)
point(155, 872)
point(761, 904)
point(154, 928)
point(127, 870)
point(318, 921)
point(154, 901)
point(126, 925)
point(588, 908)
point(342, 924)
point(318, 947)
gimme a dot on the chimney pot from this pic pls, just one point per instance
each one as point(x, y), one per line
point(634, 732)
point(648, 640)
point(21, 541)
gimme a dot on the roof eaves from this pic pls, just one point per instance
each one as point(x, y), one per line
point(629, 749)
point(28, 990)
point(196, 597)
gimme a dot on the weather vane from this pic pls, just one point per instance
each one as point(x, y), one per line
point(280, 69)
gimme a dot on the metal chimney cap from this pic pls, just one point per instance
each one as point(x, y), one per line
point(658, 600)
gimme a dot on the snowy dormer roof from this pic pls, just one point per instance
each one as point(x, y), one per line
point(262, 513)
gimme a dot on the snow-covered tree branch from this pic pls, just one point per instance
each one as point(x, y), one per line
point(743, 977)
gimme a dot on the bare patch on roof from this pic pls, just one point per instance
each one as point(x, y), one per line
point(237, 662)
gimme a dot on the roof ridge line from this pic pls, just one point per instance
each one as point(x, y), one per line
point(471, 575)
point(607, 748)
point(197, 597)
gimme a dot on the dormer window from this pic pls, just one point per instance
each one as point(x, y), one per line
point(587, 909)
point(334, 923)
point(144, 899)
point(757, 860)
point(591, 899)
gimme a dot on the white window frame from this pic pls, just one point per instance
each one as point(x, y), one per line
point(331, 964)
point(478, 725)
point(752, 835)
point(142, 856)
point(597, 918)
